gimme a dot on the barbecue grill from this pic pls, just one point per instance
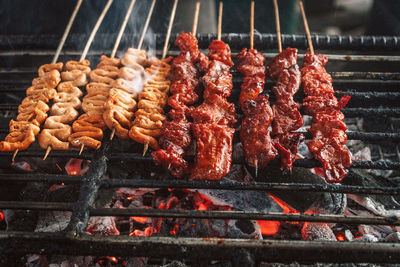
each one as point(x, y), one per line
point(374, 94)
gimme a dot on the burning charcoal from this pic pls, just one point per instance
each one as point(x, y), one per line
point(102, 225)
point(317, 231)
point(302, 201)
point(366, 238)
point(349, 236)
point(54, 221)
point(244, 229)
point(175, 264)
point(136, 261)
point(393, 237)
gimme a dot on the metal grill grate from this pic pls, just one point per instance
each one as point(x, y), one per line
point(74, 241)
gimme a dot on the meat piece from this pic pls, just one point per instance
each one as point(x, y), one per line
point(287, 118)
point(21, 135)
point(251, 63)
point(220, 51)
point(283, 60)
point(328, 129)
point(257, 144)
point(287, 145)
point(250, 89)
point(217, 80)
point(288, 83)
point(214, 151)
point(215, 109)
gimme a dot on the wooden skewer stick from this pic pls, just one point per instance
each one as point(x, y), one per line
point(278, 25)
point(112, 134)
point(85, 51)
point(220, 10)
point(122, 29)
point(95, 28)
point(252, 25)
point(196, 18)
point(47, 152)
point(66, 32)
point(146, 146)
point(14, 155)
point(82, 147)
point(167, 37)
point(303, 14)
point(146, 25)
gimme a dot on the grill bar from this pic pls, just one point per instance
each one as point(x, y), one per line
point(205, 214)
point(200, 248)
point(235, 40)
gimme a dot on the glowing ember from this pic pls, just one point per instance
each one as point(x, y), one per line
point(58, 166)
point(176, 227)
point(113, 259)
point(73, 166)
point(1, 216)
point(140, 219)
point(269, 227)
point(286, 208)
point(340, 237)
point(129, 198)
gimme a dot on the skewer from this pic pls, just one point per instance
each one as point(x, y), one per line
point(146, 25)
point(196, 18)
point(87, 46)
point(66, 32)
point(118, 40)
point(80, 151)
point(95, 28)
point(303, 14)
point(171, 21)
point(221, 7)
point(122, 29)
point(252, 25)
point(278, 26)
point(165, 49)
point(59, 48)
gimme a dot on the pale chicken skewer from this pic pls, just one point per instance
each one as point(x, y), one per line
point(122, 101)
point(33, 110)
point(66, 104)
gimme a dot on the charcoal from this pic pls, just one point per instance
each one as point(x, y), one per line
point(301, 201)
point(317, 231)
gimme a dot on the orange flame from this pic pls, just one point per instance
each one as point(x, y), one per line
point(139, 219)
point(340, 237)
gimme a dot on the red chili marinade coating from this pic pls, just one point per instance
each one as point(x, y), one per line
point(283, 60)
point(185, 88)
point(254, 134)
point(255, 137)
point(328, 128)
point(214, 118)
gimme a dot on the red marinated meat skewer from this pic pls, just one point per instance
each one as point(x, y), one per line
point(287, 118)
point(185, 88)
point(328, 128)
point(255, 137)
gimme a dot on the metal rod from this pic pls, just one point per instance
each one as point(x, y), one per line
point(196, 18)
point(47, 178)
point(95, 28)
point(171, 22)
point(146, 25)
point(303, 14)
point(278, 26)
point(156, 247)
point(201, 214)
point(122, 29)
point(66, 32)
point(220, 11)
point(256, 186)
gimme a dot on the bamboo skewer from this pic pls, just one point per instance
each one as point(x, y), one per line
point(59, 48)
point(167, 37)
point(252, 25)
point(220, 10)
point(87, 46)
point(165, 48)
point(196, 18)
point(303, 14)
point(141, 37)
point(146, 25)
point(278, 26)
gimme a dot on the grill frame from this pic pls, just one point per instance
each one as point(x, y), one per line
point(249, 251)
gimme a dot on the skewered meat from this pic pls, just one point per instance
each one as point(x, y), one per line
point(65, 108)
point(257, 144)
point(185, 89)
point(146, 128)
point(213, 134)
point(33, 109)
point(88, 128)
point(287, 117)
point(121, 103)
point(328, 128)
point(214, 151)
